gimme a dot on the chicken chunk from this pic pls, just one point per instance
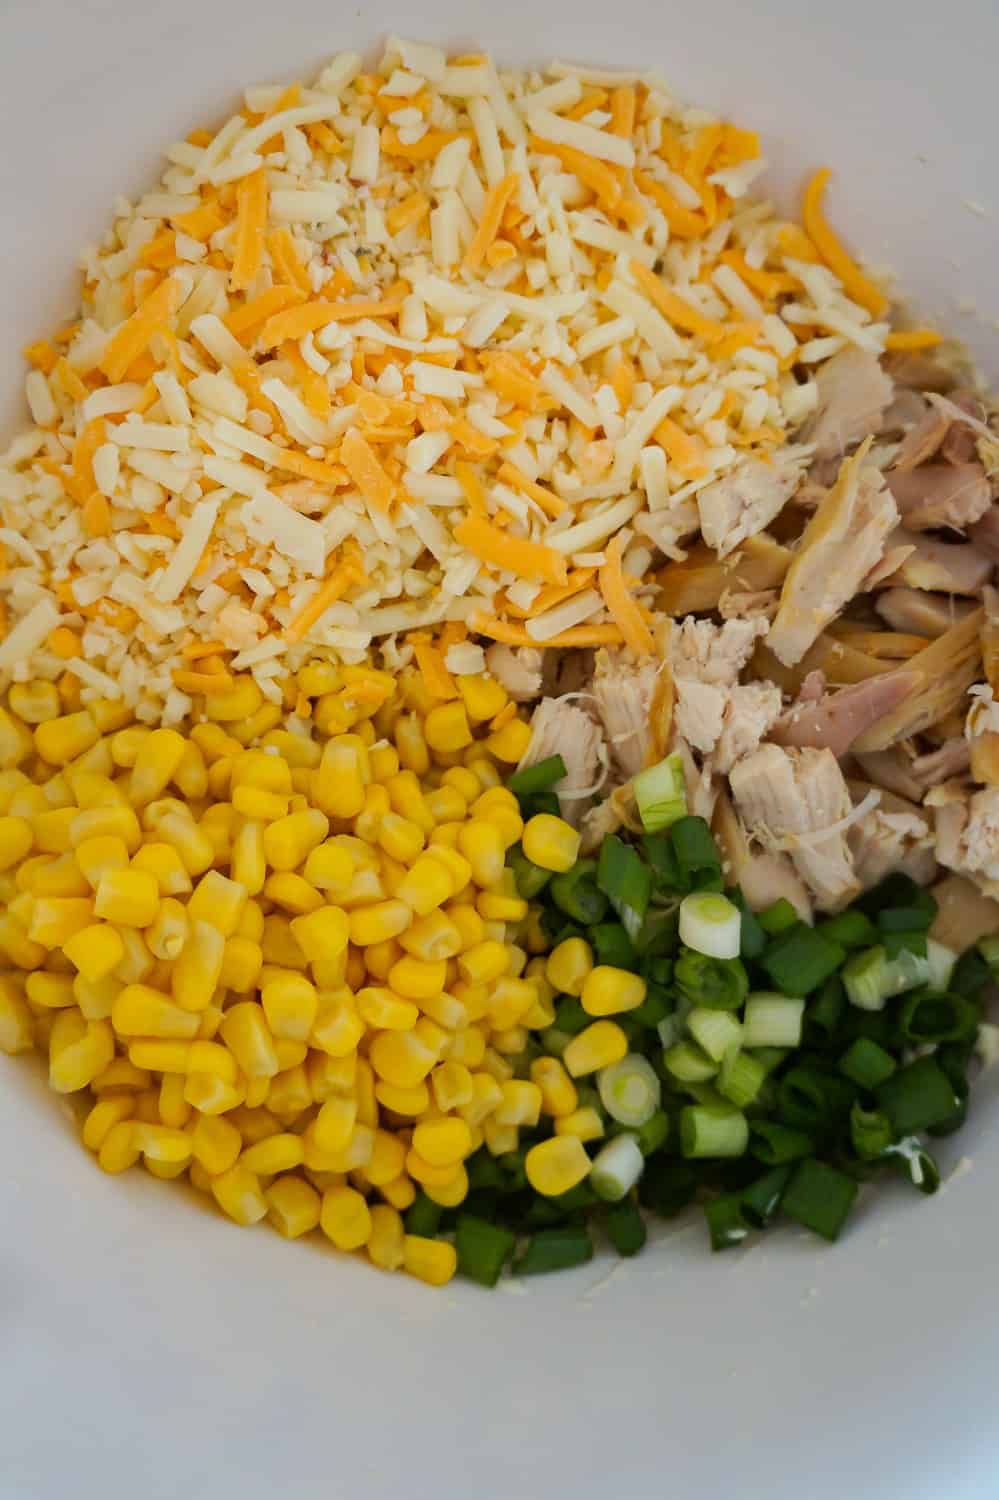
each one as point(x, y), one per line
point(837, 719)
point(751, 711)
point(796, 800)
point(854, 393)
point(892, 771)
point(985, 533)
point(744, 502)
point(841, 544)
point(923, 440)
point(714, 653)
point(560, 728)
point(915, 612)
point(951, 567)
point(518, 669)
point(967, 830)
point(953, 758)
point(936, 495)
point(763, 875)
point(964, 916)
point(625, 695)
point(894, 835)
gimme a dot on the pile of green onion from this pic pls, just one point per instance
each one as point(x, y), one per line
point(773, 1067)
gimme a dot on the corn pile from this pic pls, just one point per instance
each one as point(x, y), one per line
point(283, 963)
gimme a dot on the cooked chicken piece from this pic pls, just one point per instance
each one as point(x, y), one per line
point(797, 800)
point(894, 835)
point(627, 695)
point(560, 728)
point(741, 606)
point(951, 567)
point(840, 546)
point(694, 586)
point(915, 371)
point(518, 669)
point(952, 759)
point(699, 713)
point(890, 563)
point(839, 718)
point(752, 708)
point(615, 811)
point(763, 877)
point(907, 410)
point(669, 527)
point(964, 916)
point(945, 669)
point(714, 653)
point(960, 446)
point(891, 770)
point(981, 736)
point(702, 789)
point(918, 613)
point(967, 829)
point(567, 672)
point(744, 502)
point(923, 440)
point(854, 393)
point(985, 533)
point(839, 662)
point(938, 495)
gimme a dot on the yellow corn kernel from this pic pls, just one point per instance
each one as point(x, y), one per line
point(267, 717)
point(550, 842)
point(279, 944)
point(117, 1152)
point(195, 849)
point(211, 1095)
point(400, 1193)
point(406, 796)
point(379, 922)
point(446, 727)
point(468, 922)
point(484, 962)
point(401, 1058)
point(162, 862)
point(517, 959)
point(569, 966)
point(335, 1122)
point(400, 838)
point(412, 745)
point(426, 1174)
point(293, 1207)
point(290, 1055)
point(245, 1032)
point(51, 830)
point(338, 1028)
point(256, 802)
point(387, 1160)
point(289, 841)
point(191, 775)
point(453, 1085)
point(443, 1142)
point(77, 1057)
point(156, 764)
point(209, 1021)
point(427, 886)
point(432, 1261)
point(105, 1114)
point(557, 1165)
point(520, 1103)
point(330, 1075)
point(541, 1014)
point(408, 1102)
point(345, 1218)
point(449, 1194)
point(174, 1108)
point(53, 991)
point(213, 742)
point(141, 1011)
point(432, 938)
point(61, 740)
point(322, 934)
point(16, 1032)
point(446, 805)
point(211, 1057)
point(90, 790)
point(218, 901)
point(585, 1122)
point(364, 1092)
point(497, 906)
point(290, 1004)
point(251, 923)
point(339, 782)
point(196, 971)
point(483, 696)
point(96, 951)
point(242, 961)
point(249, 865)
point(16, 839)
point(318, 678)
point(509, 1002)
point(279, 1153)
point(608, 991)
point(498, 1066)
point(121, 1073)
point(238, 1192)
point(481, 843)
point(330, 867)
point(384, 761)
point(444, 836)
point(597, 1047)
point(510, 743)
point(138, 962)
point(240, 702)
point(130, 897)
point(46, 875)
point(379, 957)
point(126, 744)
point(417, 979)
point(220, 778)
point(486, 1095)
point(386, 1238)
point(109, 714)
point(55, 919)
point(159, 1056)
point(446, 1011)
point(167, 934)
point(34, 702)
point(215, 1144)
point(112, 821)
point(558, 1092)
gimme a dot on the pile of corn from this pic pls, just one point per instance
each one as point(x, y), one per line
point(282, 953)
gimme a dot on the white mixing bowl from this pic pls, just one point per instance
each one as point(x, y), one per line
point(151, 1349)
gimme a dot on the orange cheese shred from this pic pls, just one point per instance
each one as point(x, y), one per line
point(296, 322)
point(83, 485)
point(550, 504)
point(284, 259)
point(251, 222)
point(673, 308)
point(430, 660)
point(681, 449)
point(244, 321)
point(913, 338)
point(366, 471)
point(425, 149)
point(472, 487)
point(315, 391)
point(515, 635)
point(512, 554)
point(343, 577)
point(202, 222)
point(621, 604)
point(837, 258)
point(493, 208)
point(133, 337)
point(596, 175)
point(623, 105)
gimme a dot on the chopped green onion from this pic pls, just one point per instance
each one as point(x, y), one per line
point(663, 862)
point(544, 802)
point(688, 1063)
point(866, 979)
point(752, 938)
point(612, 945)
point(667, 1186)
point(625, 1228)
point(917, 1096)
point(483, 1249)
point(540, 777)
point(866, 1063)
point(850, 929)
point(570, 1016)
point(813, 1100)
point(696, 853)
point(630, 1090)
point(726, 1226)
point(989, 950)
point(654, 1133)
point(919, 1165)
point(716, 1031)
point(778, 917)
point(531, 878)
point(898, 892)
point(903, 919)
point(801, 959)
point(710, 924)
point(706, 1132)
point(423, 1216)
point(554, 1040)
point(898, 943)
point(625, 880)
point(970, 973)
point(774, 1144)
point(937, 1018)
point(616, 1168)
point(942, 961)
point(819, 1197)
point(656, 1007)
point(661, 793)
point(576, 893)
point(741, 1078)
point(657, 936)
point(484, 1171)
point(954, 1058)
point(721, 984)
point(554, 1250)
point(772, 1020)
point(871, 1132)
point(762, 1198)
point(824, 1014)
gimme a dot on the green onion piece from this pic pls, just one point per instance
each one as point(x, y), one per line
point(688, 1063)
point(661, 794)
point(706, 1132)
point(657, 936)
point(540, 777)
point(903, 919)
point(625, 880)
point(778, 917)
point(989, 949)
point(898, 892)
point(774, 1144)
point(772, 1020)
point(554, 1250)
point(871, 1132)
point(653, 1135)
point(656, 1007)
point(919, 1165)
point(866, 1063)
point(483, 1249)
point(706, 1095)
point(626, 1228)
point(970, 973)
point(752, 938)
point(824, 1014)
point(926, 1018)
point(554, 1040)
point(570, 1016)
point(801, 959)
point(696, 853)
point(630, 1090)
point(872, 978)
point(942, 961)
point(612, 945)
point(667, 1186)
point(716, 1031)
point(575, 892)
point(762, 1198)
point(514, 1170)
point(423, 1216)
point(726, 1226)
point(544, 802)
point(917, 1096)
point(770, 1057)
point(531, 879)
point(741, 1078)
point(719, 983)
point(954, 1058)
point(710, 924)
point(898, 943)
point(616, 1168)
point(484, 1171)
point(665, 867)
point(850, 929)
point(812, 1100)
point(819, 1197)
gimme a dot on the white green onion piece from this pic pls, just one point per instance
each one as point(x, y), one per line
point(688, 1063)
point(772, 1020)
point(710, 924)
point(617, 1168)
point(630, 1090)
point(871, 978)
point(715, 1030)
point(941, 961)
point(661, 794)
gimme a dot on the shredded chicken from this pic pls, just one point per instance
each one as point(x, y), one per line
point(751, 710)
point(938, 495)
point(841, 544)
point(518, 669)
point(696, 584)
point(714, 654)
point(561, 728)
point(951, 567)
point(894, 835)
point(745, 501)
point(923, 440)
point(839, 718)
point(797, 800)
point(946, 669)
point(763, 875)
point(891, 769)
point(854, 393)
point(964, 916)
point(953, 758)
point(967, 832)
point(624, 693)
point(918, 613)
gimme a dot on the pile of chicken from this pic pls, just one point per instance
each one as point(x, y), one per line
point(827, 648)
